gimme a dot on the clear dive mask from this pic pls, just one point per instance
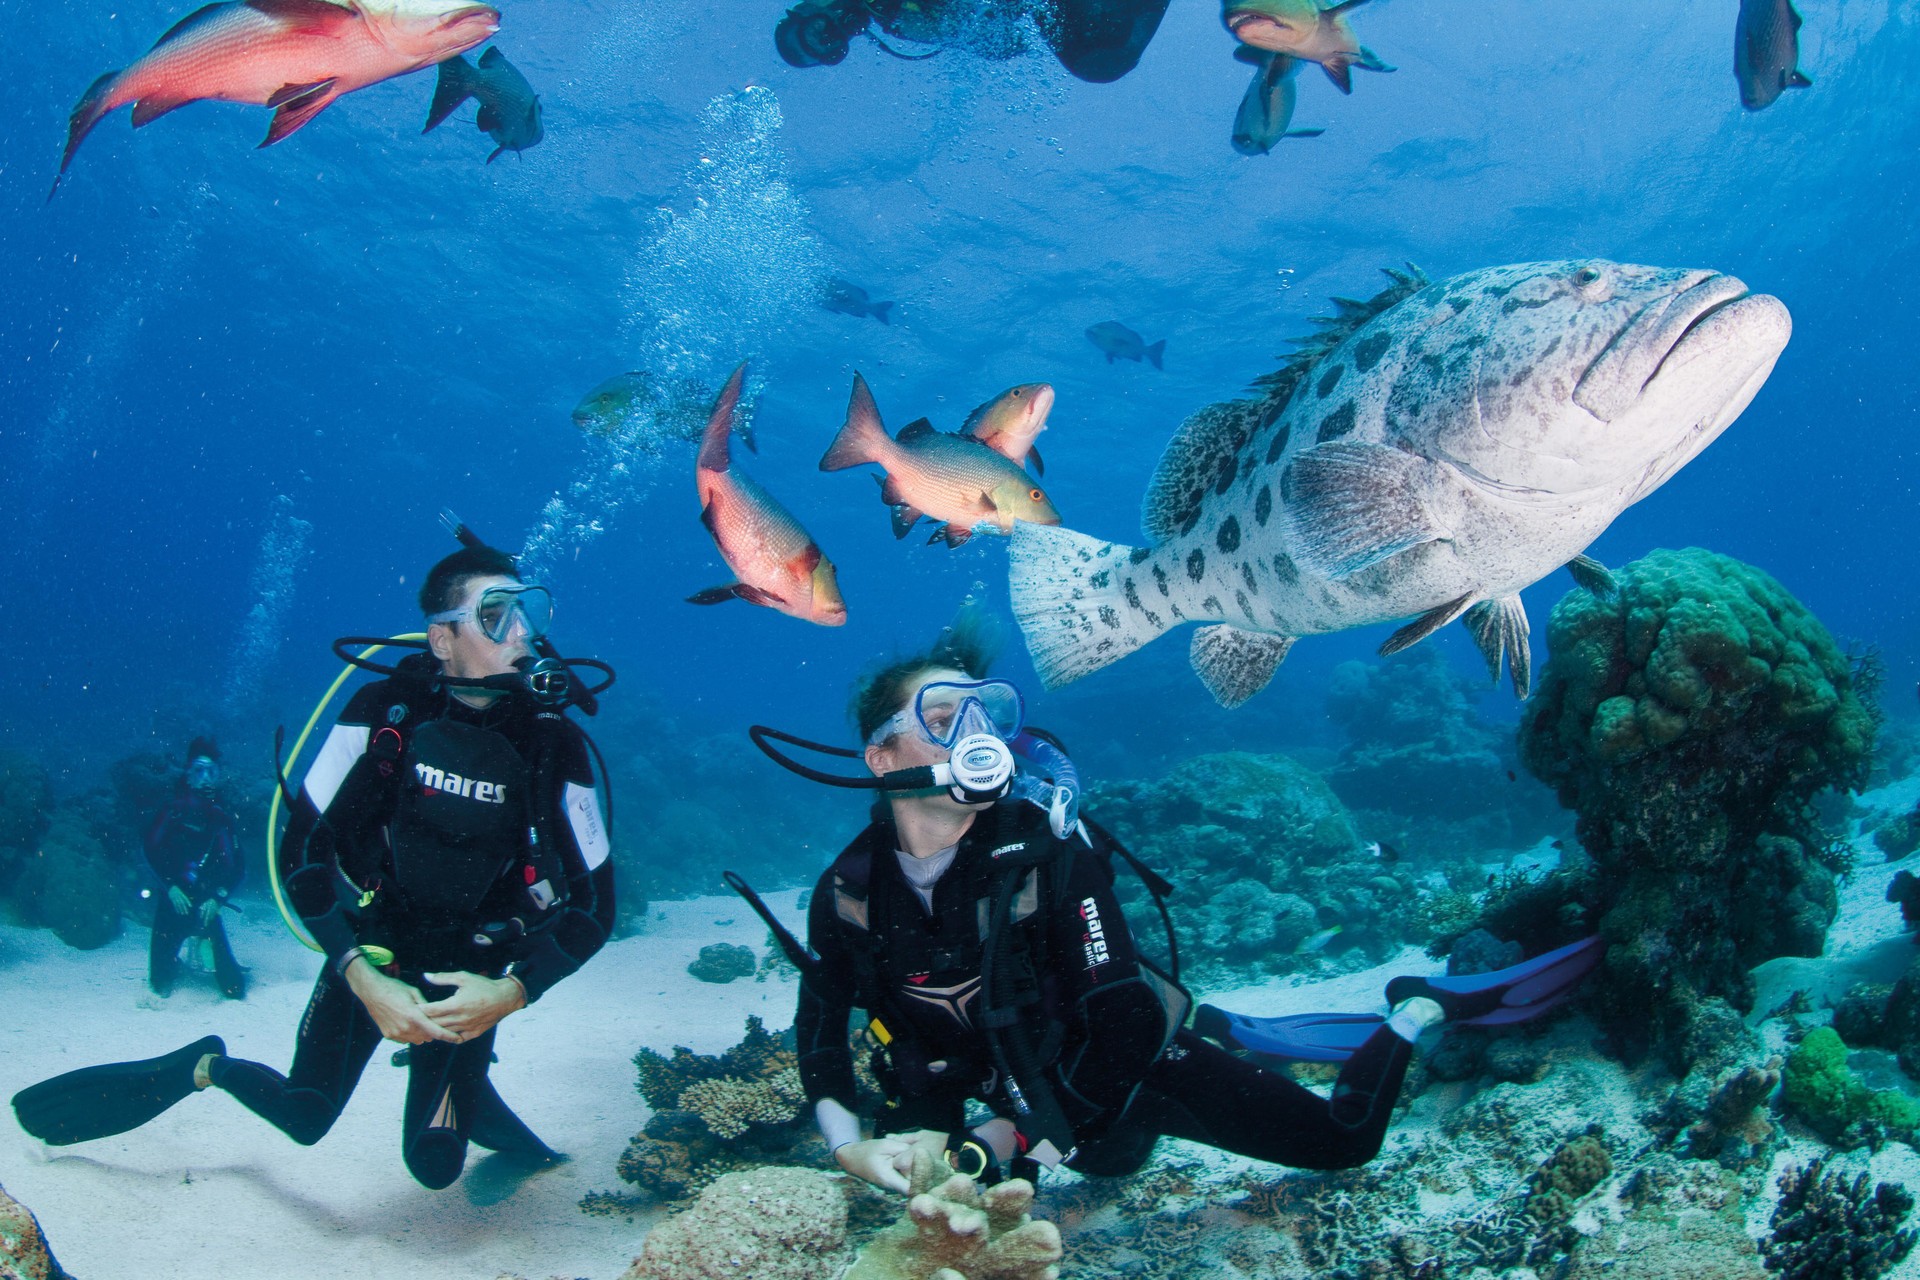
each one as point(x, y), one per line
point(202, 774)
point(948, 711)
point(498, 607)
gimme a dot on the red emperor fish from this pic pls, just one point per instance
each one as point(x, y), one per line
point(293, 55)
point(956, 479)
point(777, 562)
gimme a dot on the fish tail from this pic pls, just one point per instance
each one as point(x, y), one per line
point(863, 438)
point(1155, 351)
point(454, 87)
point(1078, 601)
point(879, 312)
point(88, 112)
point(714, 454)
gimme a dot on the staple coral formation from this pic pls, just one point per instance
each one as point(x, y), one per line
point(715, 1114)
point(955, 1231)
point(1690, 718)
point(1831, 1227)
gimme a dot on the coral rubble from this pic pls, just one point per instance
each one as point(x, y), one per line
point(769, 1223)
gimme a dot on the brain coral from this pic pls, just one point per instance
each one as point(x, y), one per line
point(1689, 718)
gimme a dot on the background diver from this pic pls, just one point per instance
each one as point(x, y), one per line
point(192, 847)
point(982, 937)
point(449, 855)
point(1096, 40)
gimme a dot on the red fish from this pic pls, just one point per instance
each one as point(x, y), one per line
point(296, 56)
point(778, 563)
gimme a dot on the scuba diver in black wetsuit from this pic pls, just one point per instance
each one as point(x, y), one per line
point(981, 935)
point(449, 855)
point(191, 846)
point(1096, 40)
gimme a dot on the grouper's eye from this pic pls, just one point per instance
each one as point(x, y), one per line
point(1592, 283)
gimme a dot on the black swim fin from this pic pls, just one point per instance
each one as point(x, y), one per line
point(98, 1102)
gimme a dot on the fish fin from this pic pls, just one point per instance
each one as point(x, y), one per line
point(487, 119)
point(1797, 79)
point(863, 437)
point(904, 518)
point(1070, 598)
point(288, 92)
point(1234, 663)
point(915, 430)
point(453, 87)
point(1194, 462)
point(1253, 57)
point(1370, 61)
point(890, 490)
point(1155, 351)
point(188, 23)
point(1303, 133)
point(491, 56)
point(495, 154)
point(760, 596)
point(1109, 357)
point(713, 443)
point(1425, 625)
point(1499, 627)
point(1033, 456)
point(1793, 16)
point(306, 17)
point(295, 113)
point(88, 112)
point(954, 534)
point(716, 595)
point(879, 312)
point(706, 518)
point(1336, 69)
point(1592, 575)
point(147, 110)
point(1351, 506)
point(1344, 6)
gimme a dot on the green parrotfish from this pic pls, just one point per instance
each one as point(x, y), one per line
point(509, 108)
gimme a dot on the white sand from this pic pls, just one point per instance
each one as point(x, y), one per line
point(211, 1190)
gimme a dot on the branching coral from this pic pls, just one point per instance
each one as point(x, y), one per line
point(955, 1231)
point(1830, 1227)
point(1690, 718)
point(731, 1107)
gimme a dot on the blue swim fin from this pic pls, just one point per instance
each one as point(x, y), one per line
point(1502, 998)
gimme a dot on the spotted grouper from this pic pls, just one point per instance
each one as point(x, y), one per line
point(1426, 455)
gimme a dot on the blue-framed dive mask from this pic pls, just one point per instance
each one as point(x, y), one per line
point(498, 607)
point(947, 711)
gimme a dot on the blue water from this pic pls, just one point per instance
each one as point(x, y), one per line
point(201, 343)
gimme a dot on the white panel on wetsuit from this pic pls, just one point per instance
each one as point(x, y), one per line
point(346, 744)
point(589, 831)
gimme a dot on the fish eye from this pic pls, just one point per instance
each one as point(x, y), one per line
point(1586, 275)
point(1593, 282)
point(1035, 494)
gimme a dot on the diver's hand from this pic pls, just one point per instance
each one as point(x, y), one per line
point(476, 1004)
point(208, 910)
point(884, 1162)
point(395, 1007)
point(182, 904)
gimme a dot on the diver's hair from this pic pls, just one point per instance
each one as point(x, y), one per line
point(969, 643)
point(447, 581)
point(204, 745)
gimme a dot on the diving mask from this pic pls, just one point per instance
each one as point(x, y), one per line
point(947, 712)
point(497, 608)
point(203, 774)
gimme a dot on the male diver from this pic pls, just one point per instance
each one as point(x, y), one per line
point(448, 854)
point(981, 935)
point(1095, 40)
point(191, 846)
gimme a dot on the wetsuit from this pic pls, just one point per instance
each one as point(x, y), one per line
point(191, 846)
point(1101, 1029)
point(459, 839)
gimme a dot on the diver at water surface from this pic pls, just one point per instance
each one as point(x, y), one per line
point(448, 853)
point(976, 925)
point(1096, 40)
point(191, 846)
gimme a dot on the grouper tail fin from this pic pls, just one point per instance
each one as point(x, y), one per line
point(1081, 603)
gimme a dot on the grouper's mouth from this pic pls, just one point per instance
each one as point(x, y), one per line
point(1249, 26)
point(1668, 333)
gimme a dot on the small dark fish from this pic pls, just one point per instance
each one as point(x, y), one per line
point(509, 108)
point(1122, 343)
point(1267, 109)
point(1559, 844)
point(1766, 52)
point(1512, 777)
point(1383, 851)
point(850, 299)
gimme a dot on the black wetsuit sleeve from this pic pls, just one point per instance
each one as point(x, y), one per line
point(225, 866)
point(826, 1003)
point(162, 851)
point(1115, 1021)
point(332, 852)
point(573, 820)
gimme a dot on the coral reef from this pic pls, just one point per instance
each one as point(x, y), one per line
point(66, 883)
point(1690, 718)
point(26, 800)
point(1266, 859)
point(1904, 889)
point(955, 1231)
point(1823, 1090)
point(1830, 1227)
point(1899, 836)
point(722, 962)
point(24, 1252)
point(770, 1224)
point(715, 1114)
point(1580, 1165)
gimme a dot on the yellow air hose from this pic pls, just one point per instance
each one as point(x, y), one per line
point(273, 812)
